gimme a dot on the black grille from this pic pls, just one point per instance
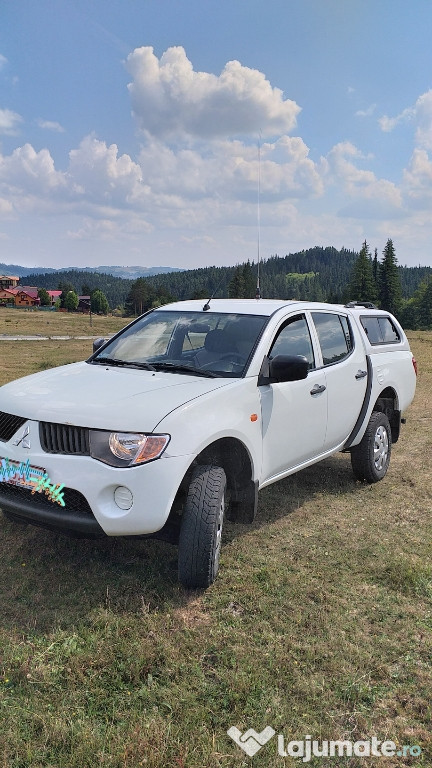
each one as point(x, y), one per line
point(9, 424)
point(62, 438)
point(74, 500)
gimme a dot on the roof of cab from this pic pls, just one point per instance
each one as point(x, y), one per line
point(265, 306)
point(241, 306)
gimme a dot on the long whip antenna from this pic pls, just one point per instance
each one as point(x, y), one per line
point(258, 288)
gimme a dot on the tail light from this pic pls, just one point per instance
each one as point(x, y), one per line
point(414, 362)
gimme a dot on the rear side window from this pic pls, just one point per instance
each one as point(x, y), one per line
point(334, 336)
point(380, 330)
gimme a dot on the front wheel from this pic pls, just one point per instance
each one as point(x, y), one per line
point(370, 459)
point(201, 527)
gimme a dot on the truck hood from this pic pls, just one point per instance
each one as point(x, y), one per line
point(103, 397)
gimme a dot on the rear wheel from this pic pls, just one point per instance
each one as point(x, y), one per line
point(370, 459)
point(201, 527)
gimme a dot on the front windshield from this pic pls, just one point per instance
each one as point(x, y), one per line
point(204, 344)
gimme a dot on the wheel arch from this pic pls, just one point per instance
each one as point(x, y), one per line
point(388, 402)
point(233, 456)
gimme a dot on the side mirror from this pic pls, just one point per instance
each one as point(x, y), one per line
point(97, 344)
point(288, 368)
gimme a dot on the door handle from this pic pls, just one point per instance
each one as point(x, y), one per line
point(318, 388)
point(360, 374)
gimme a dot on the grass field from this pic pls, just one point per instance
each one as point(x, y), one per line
point(318, 624)
point(26, 322)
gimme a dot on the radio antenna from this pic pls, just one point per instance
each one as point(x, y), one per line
point(258, 288)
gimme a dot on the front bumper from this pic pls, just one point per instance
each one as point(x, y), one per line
point(76, 517)
point(89, 487)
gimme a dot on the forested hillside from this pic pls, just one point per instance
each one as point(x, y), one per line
point(317, 274)
point(115, 289)
point(320, 274)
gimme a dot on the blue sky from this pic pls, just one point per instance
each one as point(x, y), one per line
point(129, 129)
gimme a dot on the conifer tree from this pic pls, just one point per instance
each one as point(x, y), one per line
point(390, 291)
point(236, 287)
point(138, 299)
point(45, 298)
point(243, 283)
point(250, 281)
point(375, 267)
point(362, 286)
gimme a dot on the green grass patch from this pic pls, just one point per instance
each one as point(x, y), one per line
point(408, 578)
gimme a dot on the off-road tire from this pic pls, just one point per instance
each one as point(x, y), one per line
point(201, 527)
point(370, 459)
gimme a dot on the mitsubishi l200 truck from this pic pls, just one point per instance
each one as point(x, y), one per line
point(181, 417)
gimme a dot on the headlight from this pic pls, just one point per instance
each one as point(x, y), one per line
point(126, 449)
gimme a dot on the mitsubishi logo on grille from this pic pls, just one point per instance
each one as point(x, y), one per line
point(24, 439)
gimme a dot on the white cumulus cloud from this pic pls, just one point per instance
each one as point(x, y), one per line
point(366, 196)
point(417, 180)
point(26, 171)
point(388, 124)
point(98, 174)
point(420, 115)
point(50, 125)
point(366, 112)
point(423, 109)
point(228, 170)
point(9, 122)
point(169, 98)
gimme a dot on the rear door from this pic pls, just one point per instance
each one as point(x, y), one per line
point(294, 413)
point(345, 369)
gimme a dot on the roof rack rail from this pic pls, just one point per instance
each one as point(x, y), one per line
point(365, 304)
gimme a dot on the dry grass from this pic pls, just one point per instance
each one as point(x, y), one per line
point(26, 322)
point(22, 357)
point(319, 623)
point(18, 358)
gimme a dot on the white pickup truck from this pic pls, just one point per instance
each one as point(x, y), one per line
point(186, 413)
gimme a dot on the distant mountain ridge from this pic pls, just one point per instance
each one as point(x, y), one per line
point(127, 273)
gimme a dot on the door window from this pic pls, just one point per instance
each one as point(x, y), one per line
point(294, 339)
point(334, 336)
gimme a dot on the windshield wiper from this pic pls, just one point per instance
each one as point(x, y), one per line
point(174, 367)
point(123, 363)
point(184, 368)
point(107, 361)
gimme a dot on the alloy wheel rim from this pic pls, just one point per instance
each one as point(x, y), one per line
point(381, 448)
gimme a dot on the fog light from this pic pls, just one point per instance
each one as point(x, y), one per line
point(123, 497)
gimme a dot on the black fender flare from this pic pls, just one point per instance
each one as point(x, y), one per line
point(365, 406)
